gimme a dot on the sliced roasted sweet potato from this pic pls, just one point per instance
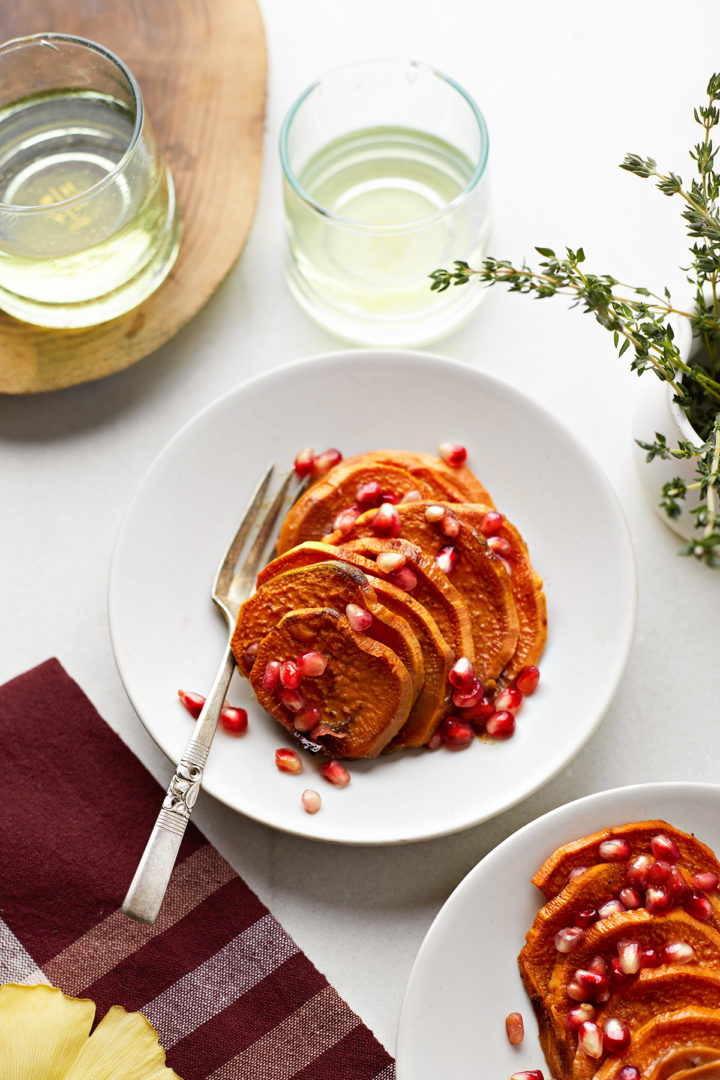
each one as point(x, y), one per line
point(668, 1044)
point(555, 871)
point(478, 575)
point(704, 1066)
point(448, 481)
point(327, 584)
point(364, 695)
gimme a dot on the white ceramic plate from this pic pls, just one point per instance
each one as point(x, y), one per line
point(167, 634)
point(465, 979)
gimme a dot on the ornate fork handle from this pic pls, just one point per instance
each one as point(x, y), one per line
point(147, 888)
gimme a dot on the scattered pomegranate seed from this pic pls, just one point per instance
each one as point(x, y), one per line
point(659, 872)
point(467, 698)
point(614, 850)
point(335, 773)
point(271, 675)
point(405, 578)
point(291, 699)
point(528, 1074)
point(630, 956)
point(447, 558)
point(368, 494)
point(288, 761)
point(664, 847)
point(515, 1028)
point(657, 899)
point(500, 546)
point(250, 653)
point(307, 718)
point(677, 886)
point(193, 702)
point(478, 714)
point(344, 521)
point(411, 496)
point(589, 986)
point(311, 801)
point(677, 952)
point(586, 917)
point(698, 905)
point(579, 1014)
point(637, 872)
point(630, 898)
point(617, 976)
point(490, 522)
point(450, 525)
point(501, 725)
point(359, 618)
point(386, 521)
point(453, 453)
point(569, 938)
point(434, 742)
point(616, 1036)
point(461, 674)
point(598, 965)
point(456, 733)
point(707, 881)
point(628, 1072)
point(304, 462)
point(590, 1039)
point(389, 561)
point(233, 721)
point(322, 463)
point(528, 679)
point(290, 677)
point(613, 907)
point(434, 514)
point(510, 699)
point(311, 664)
point(650, 958)
point(576, 872)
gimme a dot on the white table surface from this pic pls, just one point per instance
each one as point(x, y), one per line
point(567, 89)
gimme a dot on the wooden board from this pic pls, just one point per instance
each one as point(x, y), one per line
point(202, 70)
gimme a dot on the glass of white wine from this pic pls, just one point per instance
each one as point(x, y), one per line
point(88, 222)
point(385, 180)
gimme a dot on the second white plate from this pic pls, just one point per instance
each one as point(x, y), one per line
point(166, 633)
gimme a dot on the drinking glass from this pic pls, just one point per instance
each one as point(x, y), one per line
point(384, 176)
point(88, 221)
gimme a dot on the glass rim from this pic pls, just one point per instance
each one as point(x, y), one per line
point(351, 223)
point(119, 167)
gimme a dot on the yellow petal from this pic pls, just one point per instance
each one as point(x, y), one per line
point(124, 1046)
point(41, 1031)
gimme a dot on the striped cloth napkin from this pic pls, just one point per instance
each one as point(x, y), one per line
point(229, 992)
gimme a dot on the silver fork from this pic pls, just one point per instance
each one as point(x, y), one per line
point(233, 583)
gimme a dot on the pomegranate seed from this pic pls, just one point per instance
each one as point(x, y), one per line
point(591, 986)
point(290, 677)
point(434, 514)
point(447, 558)
point(509, 699)
point(617, 976)
point(307, 718)
point(359, 618)
point(677, 886)
point(576, 872)
point(311, 801)
point(288, 761)
point(250, 653)
point(528, 1074)
point(598, 965)
point(515, 1028)
point(461, 674)
point(478, 714)
point(579, 1014)
point(449, 525)
point(453, 453)
point(568, 938)
point(628, 1072)
point(344, 522)
point(388, 561)
point(303, 463)
point(664, 847)
point(637, 872)
point(233, 721)
point(193, 702)
point(311, 664)
point(456, 733)
point(501, 725)
point(657, 899)
point(465, 699)
point(490, 522)
point(659, 872)
point(650, 958)
point(614, 850)
point(698, 905)
point(368, 494)
point(405, 578)
point(322, 463)
point(434, 742)
point(590, 1039)
point(500, 546)
point(586, 917)
point(630, 898)
point(528, 679)
point(271, 675)
point(630, 957)
point(389, 497)
point(411, 496)
point(707, 881)
point(613, 907)
point(616, 1036)
point(386, 521)
point(291, 699)
point(677, 952)
point(335, 773)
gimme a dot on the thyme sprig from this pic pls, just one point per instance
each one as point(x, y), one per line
point(642, 320)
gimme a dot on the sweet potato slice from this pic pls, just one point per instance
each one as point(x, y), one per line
point(449, 482)
point(364, 695)
point(709, 1070)
point(479, 576)
point(668, 1044)
point(328, 584)
point(555, 871)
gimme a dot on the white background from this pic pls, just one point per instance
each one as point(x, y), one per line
point(567, 89)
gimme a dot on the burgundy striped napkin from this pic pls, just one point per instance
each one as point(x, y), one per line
point(229, 992)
